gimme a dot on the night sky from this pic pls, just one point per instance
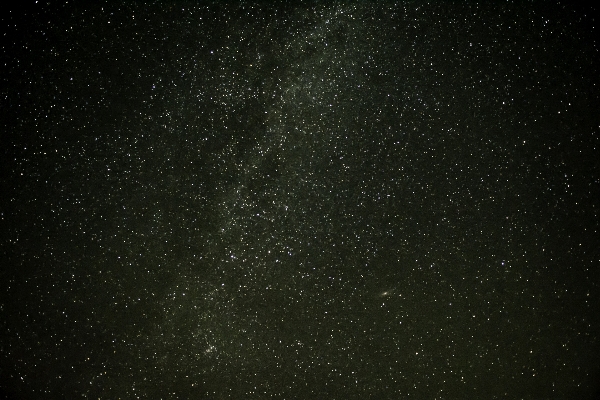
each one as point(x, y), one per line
point(308, 200)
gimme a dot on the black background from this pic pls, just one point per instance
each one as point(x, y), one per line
point(299, 200)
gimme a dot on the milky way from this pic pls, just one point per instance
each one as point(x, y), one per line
point(312, 201)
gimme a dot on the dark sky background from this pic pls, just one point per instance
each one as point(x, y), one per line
point(317, 200)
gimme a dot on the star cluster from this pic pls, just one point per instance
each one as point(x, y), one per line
point(312, 201)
